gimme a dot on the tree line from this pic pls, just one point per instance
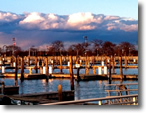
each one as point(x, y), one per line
point(95, 47)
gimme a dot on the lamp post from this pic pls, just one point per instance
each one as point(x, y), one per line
point(97, 51)
point(129, 50)
point(14, 43)
point(85, 38)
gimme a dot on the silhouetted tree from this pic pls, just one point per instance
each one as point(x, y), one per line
point(126, 48)
point(97, 46)
point(13, 50)
point(57, 47)
point(108, 48)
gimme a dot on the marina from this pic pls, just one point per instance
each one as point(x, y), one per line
point(38, 83)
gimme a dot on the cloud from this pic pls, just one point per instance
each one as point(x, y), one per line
point(38, 28)
point(8, 17)
point(40, 21)
point(76, 21)
point(111, 18)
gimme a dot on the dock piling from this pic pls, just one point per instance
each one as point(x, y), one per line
point(16, 70)
point(47, 69)
point(121, 70)
point(60, 64)
point(22, 69)
point(71, 73)
point(60, 92)
point(110, 70)
point(36, 69)
point(78, 69)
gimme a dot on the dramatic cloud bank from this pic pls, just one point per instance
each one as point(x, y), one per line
point(40, 26)
point(77, 21)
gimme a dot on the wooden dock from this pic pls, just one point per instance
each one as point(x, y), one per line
point(42, 98)
point(10, 90)
point(47, 64)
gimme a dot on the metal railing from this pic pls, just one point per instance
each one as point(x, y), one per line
point(119, 88)
point(116, 100)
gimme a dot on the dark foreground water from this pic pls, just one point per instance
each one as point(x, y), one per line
point(83, 89)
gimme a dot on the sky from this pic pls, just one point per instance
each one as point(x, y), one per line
point(40, 22)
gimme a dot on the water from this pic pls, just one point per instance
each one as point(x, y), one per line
point(83, 89)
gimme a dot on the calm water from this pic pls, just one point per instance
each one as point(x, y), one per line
point(83, 89)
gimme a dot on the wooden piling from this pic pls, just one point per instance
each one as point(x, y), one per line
point(106, 61)
point(29, 61)
point(71, 73)
point(94, 70)
point(60, 64)
point(36, 69)
point(121, 70)
point(93, 60)
point(47, 67)
point(60, 92)
point(22, 68)
point(16, 71)
point(110, 69)
point(125, 62)
point(53, 62)
point(113, 64)
point(86, 65)
point(78, 69)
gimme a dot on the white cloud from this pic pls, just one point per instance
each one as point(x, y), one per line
point(111, 18)
point(8, 17)
point(128, 28)
point(76, 21)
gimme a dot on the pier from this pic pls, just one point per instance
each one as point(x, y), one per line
point(39, 68)
point(46, 65)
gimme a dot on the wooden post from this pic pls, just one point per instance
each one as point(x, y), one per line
point(16, 77)
point(29, 61)
point(41, 70)
point(78, 69)
point(121, 70)
point(59, 92)
point(109, 70)
point(93, 60)
point(86, 67)
point(47, 67)
point(94, 70)
point(36, 69)
point(53, 63)
point(22, 68)
point(42, 62)
point(60, 64)
point(71, 73)
point(113, 62)
point(106, 61)
point(125, 62)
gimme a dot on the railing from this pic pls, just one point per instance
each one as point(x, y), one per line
point(119, 88)
point(116, 100)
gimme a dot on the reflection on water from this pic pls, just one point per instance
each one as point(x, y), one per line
point(83, 89)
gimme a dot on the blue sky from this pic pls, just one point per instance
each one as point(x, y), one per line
point(123, 8)
point(40, 22)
